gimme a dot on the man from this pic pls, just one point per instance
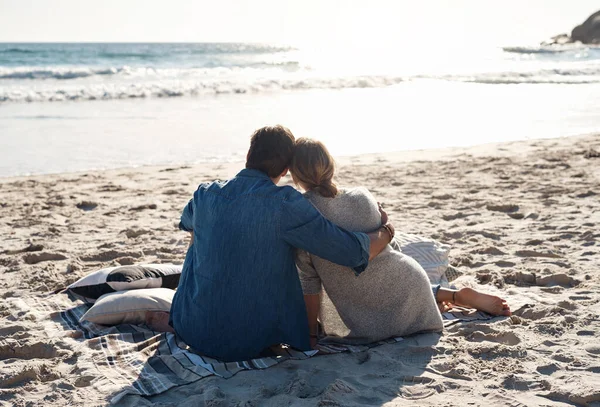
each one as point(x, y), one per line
point(239, 292)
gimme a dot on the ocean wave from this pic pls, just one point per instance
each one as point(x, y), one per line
point(177, 83)
point(551, 49)
point(58, 73)
point(17, 51)
point(143, 50)
point(536, 50)
point(180, 88)
point(546, 76)
point(67, 73)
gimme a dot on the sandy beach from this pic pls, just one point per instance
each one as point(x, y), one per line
point(522, 218)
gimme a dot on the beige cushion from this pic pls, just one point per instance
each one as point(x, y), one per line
point(129, 307)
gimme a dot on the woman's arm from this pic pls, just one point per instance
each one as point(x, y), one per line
point(311, 287)
point(313, 306)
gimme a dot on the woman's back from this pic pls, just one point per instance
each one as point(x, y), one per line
point(392, 297)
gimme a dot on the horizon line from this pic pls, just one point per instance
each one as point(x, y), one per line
point(143, 42)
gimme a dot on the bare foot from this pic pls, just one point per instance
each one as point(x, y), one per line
point(467, 297)
point(444, 306)
point(158, 321)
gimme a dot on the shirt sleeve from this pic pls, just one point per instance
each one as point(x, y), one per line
point(309, 278)
point(187, 217)
point(302, 226)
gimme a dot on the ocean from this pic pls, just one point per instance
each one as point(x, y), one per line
point(81, 107)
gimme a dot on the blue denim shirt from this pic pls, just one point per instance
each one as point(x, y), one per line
point(239, 291)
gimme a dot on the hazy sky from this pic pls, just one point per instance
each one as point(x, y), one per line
point(303, 21)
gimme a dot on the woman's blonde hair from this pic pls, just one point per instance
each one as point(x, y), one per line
point(313, 167)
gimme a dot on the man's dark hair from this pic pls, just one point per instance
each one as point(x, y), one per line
point(271, 150)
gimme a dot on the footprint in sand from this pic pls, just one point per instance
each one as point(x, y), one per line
point(557, 279)
point(302, 389)
point(505, 208)
point(143, 207)
point(535, 312)
point(11, 329)
point(548, 369)
point(417, 387)
point(562, 280)
point(132, 233)
point(28, 249)
point(12, 349)
point(491, 250)
point(87, 205)
point(505, 338)
point(534, 253)
point(109, 255)
point(40, 373)
point(504, 263)
point(593, 349)
point(35, 258)
point(515, 382)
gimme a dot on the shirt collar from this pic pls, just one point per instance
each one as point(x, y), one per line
point(247, 172)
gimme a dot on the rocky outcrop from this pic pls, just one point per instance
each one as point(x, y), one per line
point(589, 31)
point(586, 33)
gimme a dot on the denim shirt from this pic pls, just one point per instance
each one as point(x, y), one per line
point(239, 291)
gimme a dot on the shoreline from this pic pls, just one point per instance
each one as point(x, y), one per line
point(521, 218)
point(502, 148)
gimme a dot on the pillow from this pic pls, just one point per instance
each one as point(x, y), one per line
point(430, 254)
point(123, 278)
point(129, 307)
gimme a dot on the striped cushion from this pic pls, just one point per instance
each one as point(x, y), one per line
point(430, 254)
point(123, 278)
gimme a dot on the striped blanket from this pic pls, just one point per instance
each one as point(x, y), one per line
point(129, 359)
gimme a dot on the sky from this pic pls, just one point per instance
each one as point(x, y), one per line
point(429, 22)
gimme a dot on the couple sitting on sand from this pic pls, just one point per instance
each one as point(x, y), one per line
point(240, 291)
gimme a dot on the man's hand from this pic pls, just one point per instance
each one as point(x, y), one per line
point(382, 236)
point(385, 222)
point(384, 215)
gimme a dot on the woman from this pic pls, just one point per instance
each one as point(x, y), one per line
point(393, 296)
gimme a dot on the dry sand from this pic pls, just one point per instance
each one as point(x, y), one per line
point(523, 220)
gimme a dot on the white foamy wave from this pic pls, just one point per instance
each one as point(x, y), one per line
point(65, 73)
point(58, 73)
point(167, 83)
point(546, 76)
point(547, 49)
point(168, 89)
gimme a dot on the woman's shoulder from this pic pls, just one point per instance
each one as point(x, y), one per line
point(354, 209)
point(356, 195)
point(357, 192)
point(342, 192)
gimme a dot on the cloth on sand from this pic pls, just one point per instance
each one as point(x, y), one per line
point(131, 360)
point(392, 297)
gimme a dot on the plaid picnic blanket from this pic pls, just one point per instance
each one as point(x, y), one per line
point(130, 359)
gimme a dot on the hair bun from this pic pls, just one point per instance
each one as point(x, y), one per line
point(327, 189)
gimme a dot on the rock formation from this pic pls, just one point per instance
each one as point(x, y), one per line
point(589, 31)
point(586, 33)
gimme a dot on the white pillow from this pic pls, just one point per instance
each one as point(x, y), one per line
point(108, 280)
point(129, 307)
point(430, 254)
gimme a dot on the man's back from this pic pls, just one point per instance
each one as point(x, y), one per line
point(239, 294)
